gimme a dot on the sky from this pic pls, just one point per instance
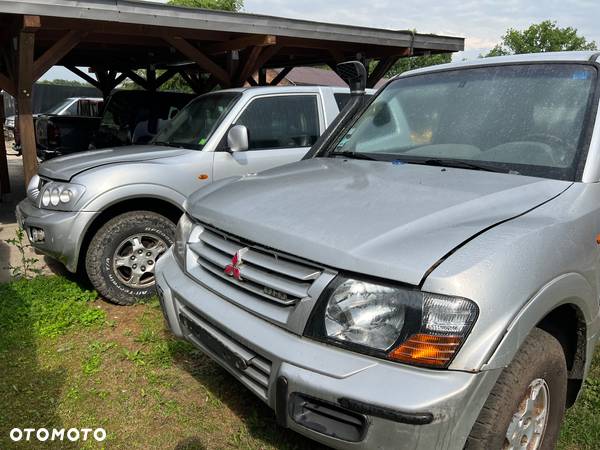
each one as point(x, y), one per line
point(482, 23)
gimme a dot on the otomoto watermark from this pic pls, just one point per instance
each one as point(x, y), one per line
point(57, 434)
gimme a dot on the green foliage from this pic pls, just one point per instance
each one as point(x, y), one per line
point(545, 36)
point(176, 84)
point(46, 306)
point(225, 5)
point(26, 267)
point(61, 82)
point(416, 62)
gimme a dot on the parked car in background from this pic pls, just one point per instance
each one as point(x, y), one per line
point(134, 117)
point(69, 125)
point(113, 212)
point(428, 278)
point(9, 126)
point(130, 117)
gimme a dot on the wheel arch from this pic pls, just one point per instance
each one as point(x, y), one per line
point(567, 324)
point(563, 308)
point(158, 205)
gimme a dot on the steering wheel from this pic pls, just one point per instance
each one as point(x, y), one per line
point(555, 143)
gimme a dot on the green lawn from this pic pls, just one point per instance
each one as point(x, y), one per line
point(69, 360)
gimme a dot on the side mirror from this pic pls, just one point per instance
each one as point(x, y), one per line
point(237, 139)
point(355, 75)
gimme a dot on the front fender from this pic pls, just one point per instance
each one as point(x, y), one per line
point(105, 199)
point(570, 288)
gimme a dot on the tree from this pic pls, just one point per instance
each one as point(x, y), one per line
point(542, 37)
point(416, 62)
point(61, 82)
point(224, 5)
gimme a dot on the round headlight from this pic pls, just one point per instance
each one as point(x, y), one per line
point(365, 314)
point(46, 198)
point(66, 196)
point(55, 197)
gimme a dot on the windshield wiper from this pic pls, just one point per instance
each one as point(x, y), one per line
point(167, 144)
point(355, 155)
point(462, 165)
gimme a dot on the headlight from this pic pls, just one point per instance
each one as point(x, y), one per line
point(182, 234)
point(61, 196)
point(392, 322)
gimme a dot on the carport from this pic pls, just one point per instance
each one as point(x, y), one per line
point(207, 48)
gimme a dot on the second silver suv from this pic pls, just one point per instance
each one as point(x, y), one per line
point(113, 212)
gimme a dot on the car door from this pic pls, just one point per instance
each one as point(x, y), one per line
point(281, 129)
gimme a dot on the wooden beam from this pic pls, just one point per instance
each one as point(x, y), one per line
point(191, 81)
point(250, 65)
point(24, 104)
point(280, 76)
point(55, 53)
point(262, 76)
point(31, 23)
point(6, 84)
point(140, 81)
point(85, 76)
point(252, 82)
point(203, 61)
point(164, 77)
point(267, 54)
point(151, 78)
point(382, 67)
point(240, 44)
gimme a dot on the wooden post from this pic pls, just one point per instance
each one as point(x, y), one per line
point(4, 178)
point(24, 104)
point(262, 76)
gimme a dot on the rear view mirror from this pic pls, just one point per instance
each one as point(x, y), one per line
point(237, 139)
point(355, 75)
point(383, 116)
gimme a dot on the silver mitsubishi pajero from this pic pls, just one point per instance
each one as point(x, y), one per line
point(111, 213)
point(427, 277)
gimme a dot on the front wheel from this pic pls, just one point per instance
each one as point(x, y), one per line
point(526, 406)
point(122, 255)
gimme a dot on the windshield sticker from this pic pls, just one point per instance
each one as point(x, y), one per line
point(202, 141)
point(581, 75)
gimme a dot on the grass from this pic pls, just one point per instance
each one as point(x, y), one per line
point(70, 360)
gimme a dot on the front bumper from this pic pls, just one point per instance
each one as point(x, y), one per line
point(64, 231)
point(307, 382)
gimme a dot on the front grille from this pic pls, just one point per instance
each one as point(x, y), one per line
point(265, 273)
point(253, 370)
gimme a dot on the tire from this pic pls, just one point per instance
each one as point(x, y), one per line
point(541, 357)
point(122, 249)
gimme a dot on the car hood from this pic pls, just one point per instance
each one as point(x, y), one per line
point(66, 167)
point(377, 218)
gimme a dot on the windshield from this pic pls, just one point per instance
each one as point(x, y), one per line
point(526, 119)
point(195, 123)
point(60, 106)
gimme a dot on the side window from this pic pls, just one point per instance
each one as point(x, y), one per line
point(72, 110)
point(285, 121)
point(341, 99)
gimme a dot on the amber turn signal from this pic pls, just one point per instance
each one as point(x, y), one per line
point(426, 349)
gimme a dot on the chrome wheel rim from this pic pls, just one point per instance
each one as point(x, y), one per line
point(135, 259)
point(528, 425)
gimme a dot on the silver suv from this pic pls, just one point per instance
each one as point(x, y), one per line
point(112, 213)
point(427, 278)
